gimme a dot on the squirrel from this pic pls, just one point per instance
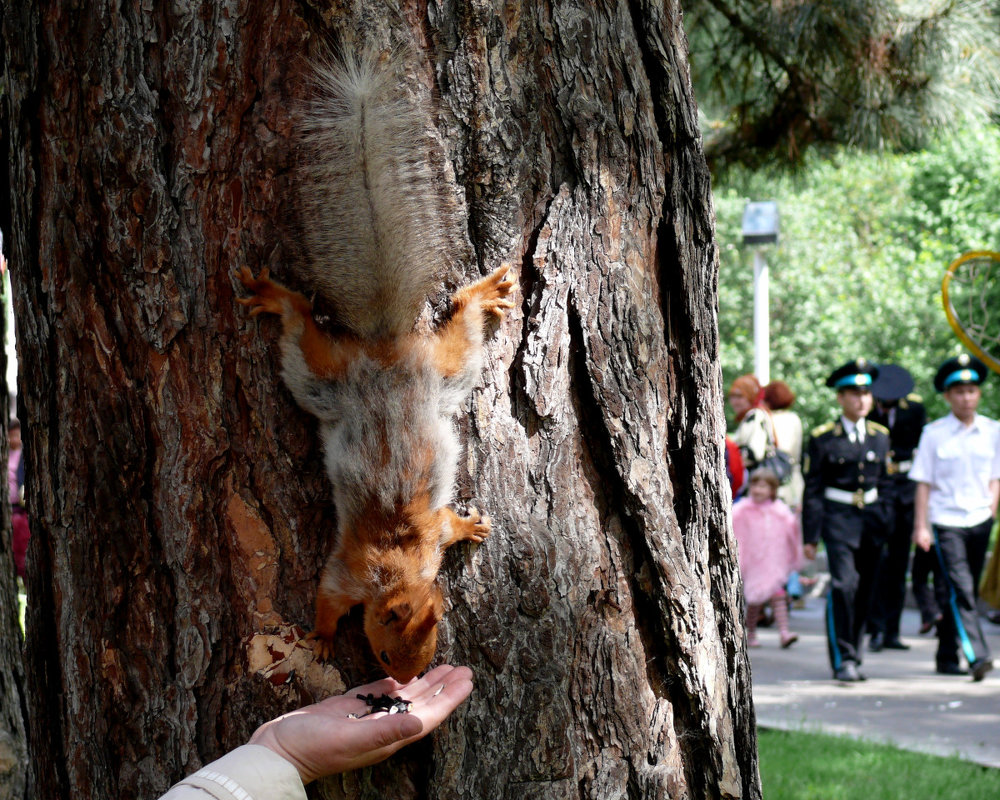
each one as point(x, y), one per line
point(377, 232)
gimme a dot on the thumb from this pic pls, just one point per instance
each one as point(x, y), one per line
point(394, 729)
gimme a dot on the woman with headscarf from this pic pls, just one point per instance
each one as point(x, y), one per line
point(752, 427)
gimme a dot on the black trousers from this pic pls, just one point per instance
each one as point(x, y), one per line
point(926, 568)
point(962, 553)
point(852, 574)
point(890, 576)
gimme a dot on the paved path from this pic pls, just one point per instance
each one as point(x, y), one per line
point(903, 702)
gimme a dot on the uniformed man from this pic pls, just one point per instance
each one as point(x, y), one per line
point(902, 412)
point(957, 470)
point(846, 476)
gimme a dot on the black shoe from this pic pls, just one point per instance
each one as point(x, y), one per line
point(979, 668)
point(994, 617)
point(928, 625)
point(951, 669)
point(875, 643)
point(895, 644)
point(848, 673)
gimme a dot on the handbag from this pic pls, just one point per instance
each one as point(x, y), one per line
point(778, 461)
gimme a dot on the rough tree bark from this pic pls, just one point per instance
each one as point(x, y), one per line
point(181, 512)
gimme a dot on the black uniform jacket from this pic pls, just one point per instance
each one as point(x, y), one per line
point(833, 461)
point(904, 435)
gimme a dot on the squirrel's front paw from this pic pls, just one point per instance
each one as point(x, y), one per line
point(323, 647)
point(475, 527)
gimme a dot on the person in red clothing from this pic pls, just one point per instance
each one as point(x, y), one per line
point(15, 483)
point(734, 467)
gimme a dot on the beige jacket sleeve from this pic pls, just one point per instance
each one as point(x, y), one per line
point(250, 772)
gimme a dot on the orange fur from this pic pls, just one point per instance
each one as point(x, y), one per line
point(452, 343)
point(326, 356)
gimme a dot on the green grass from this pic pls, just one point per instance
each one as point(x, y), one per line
point(807, 766)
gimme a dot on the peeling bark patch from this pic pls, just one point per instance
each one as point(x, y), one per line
point(257, 557)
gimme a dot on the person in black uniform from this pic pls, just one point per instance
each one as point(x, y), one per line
point(846, 485)
point(904, 415)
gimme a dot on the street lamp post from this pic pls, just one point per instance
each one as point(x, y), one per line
point(760, 227)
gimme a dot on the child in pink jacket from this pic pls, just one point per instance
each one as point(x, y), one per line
point(770, 549)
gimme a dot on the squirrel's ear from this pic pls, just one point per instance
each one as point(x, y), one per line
point(431, 618)
point(432, 612)
point(399, 612)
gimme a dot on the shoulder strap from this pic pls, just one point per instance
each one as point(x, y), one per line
point(772, 432)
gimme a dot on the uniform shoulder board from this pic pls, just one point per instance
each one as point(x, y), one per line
point(913, 397)
point(874, 427)
point(826, 427)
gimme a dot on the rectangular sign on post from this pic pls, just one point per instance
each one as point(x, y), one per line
point(760, 223)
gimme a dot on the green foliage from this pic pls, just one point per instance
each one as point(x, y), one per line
point(777, 78)
point(865, 242)
point(806, 766)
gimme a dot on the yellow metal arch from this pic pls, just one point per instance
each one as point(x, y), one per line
point(949, 309)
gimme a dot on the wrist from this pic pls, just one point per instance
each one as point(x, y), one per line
point(265, 736)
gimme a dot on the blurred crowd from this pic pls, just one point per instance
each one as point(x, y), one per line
point(886, 498)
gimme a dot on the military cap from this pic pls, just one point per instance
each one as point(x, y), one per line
point(892, 383)
point(960, 369)
point(858, 373)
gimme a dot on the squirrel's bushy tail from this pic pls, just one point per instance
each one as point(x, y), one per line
point(379, 219)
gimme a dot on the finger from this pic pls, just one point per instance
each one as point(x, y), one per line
point(383, 736)
point(390, 730)
point(451, 694)
point(435, 708)
point(426, 686)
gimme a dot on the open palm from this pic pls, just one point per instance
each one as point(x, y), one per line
point(322, 739)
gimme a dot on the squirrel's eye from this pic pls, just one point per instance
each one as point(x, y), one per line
point(384, 657)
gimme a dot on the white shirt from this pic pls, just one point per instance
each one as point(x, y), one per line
point(958, 462)
point(250, 772)
point(852, 429)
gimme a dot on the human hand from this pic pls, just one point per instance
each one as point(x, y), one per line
point(809, 551)
point(922, 537)
point(321, 739)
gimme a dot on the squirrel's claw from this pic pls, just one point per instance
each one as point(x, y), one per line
point(493, 291)
point(268, 297)
point(477, 527)
point(498, 307)
point(323, 647)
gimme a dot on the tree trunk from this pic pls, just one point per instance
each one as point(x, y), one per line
point(181, 510)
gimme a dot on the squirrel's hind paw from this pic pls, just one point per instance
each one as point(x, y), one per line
point(490, 293)
point(494, 290)
point(269, 297)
